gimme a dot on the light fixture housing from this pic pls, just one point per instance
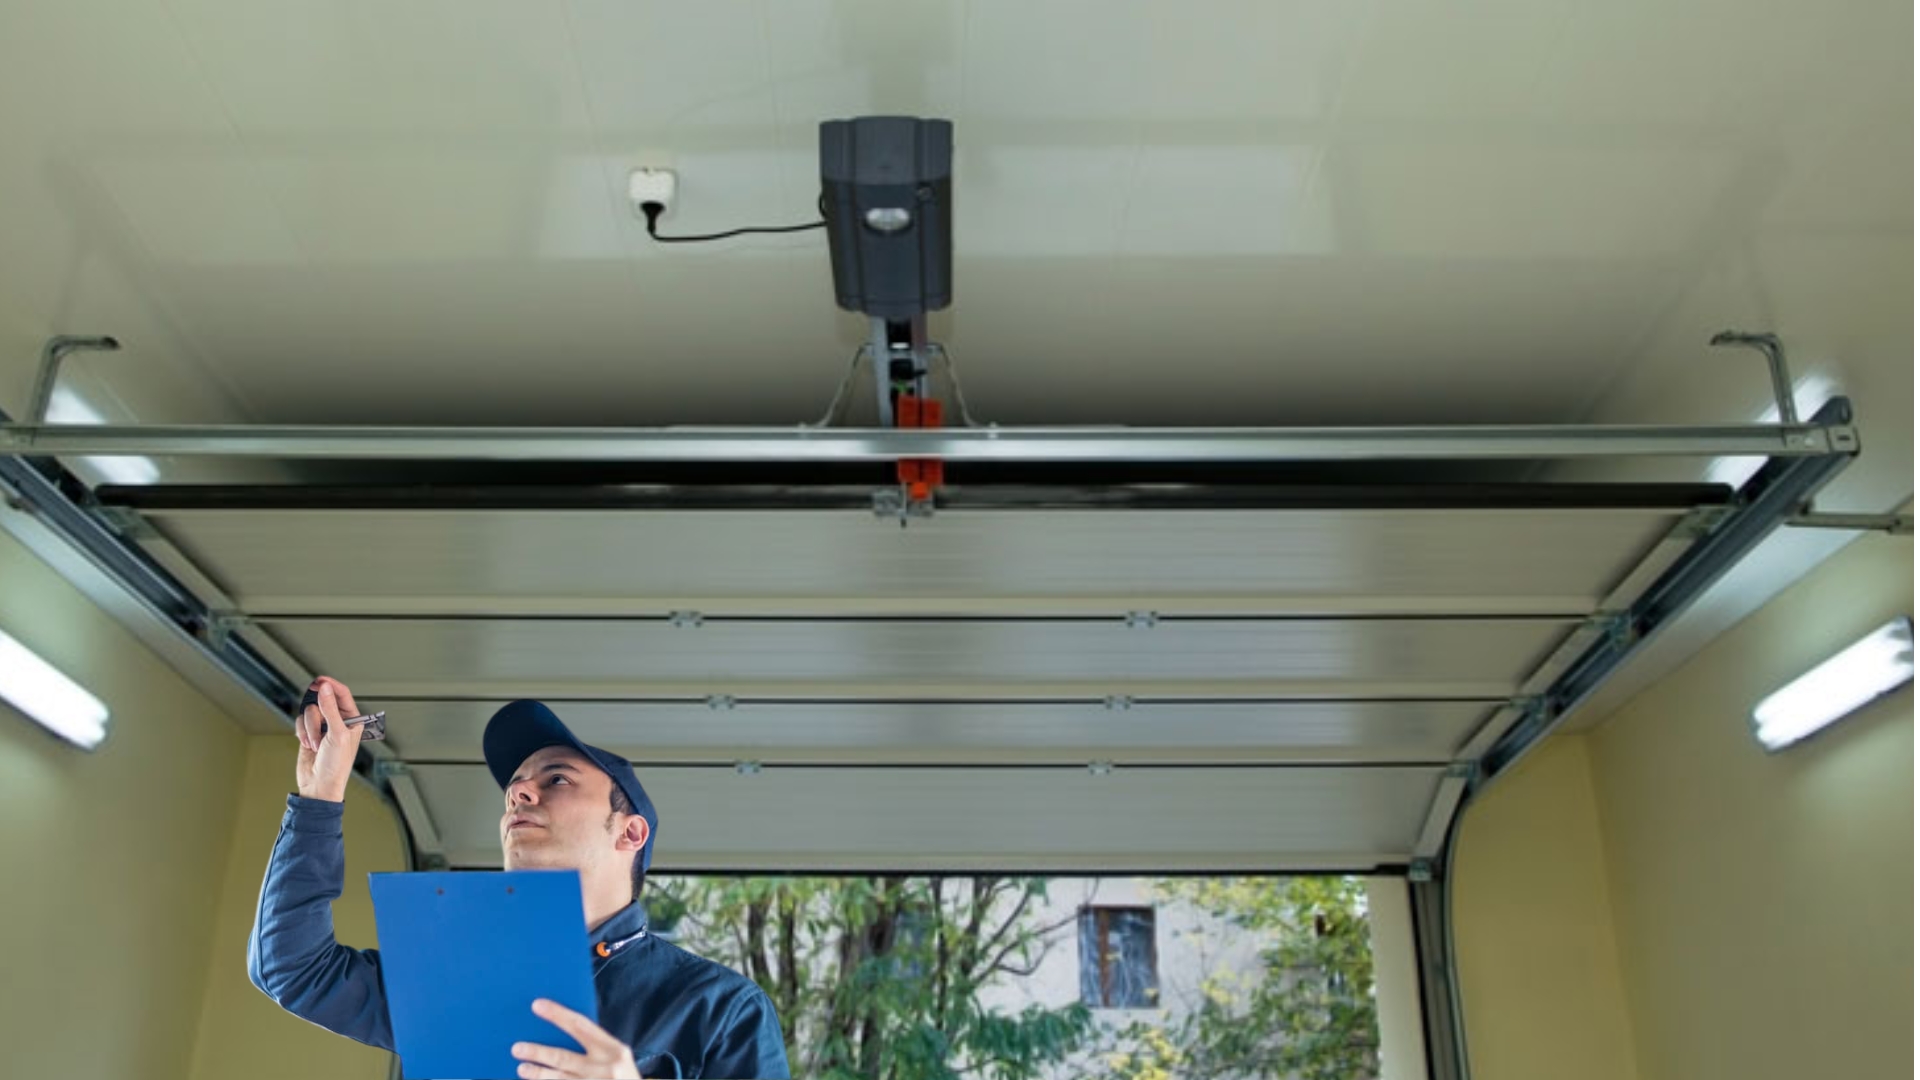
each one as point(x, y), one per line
point(44, 694)
point(1870, 668)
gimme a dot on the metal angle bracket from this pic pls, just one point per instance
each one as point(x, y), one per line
point(128, 522)
point(1699, 522)
point(1768, 345)
point(1834, 439)
point(219, 627)
point(56, 350)
point(894, 504)
point(1616, 626)
point(1891, 524)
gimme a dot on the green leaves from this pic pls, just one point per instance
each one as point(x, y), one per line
point(882, 976)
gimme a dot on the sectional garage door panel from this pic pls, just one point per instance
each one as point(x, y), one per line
point(921, 731)
point(1372, 656)
point(1246, 683)
point(840, 818)
point(590, 561)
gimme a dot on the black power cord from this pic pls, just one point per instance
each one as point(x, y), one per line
point(653, 210)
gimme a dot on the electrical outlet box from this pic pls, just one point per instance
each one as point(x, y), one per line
point(647, 185)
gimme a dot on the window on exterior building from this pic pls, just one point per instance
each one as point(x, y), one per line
point(1118, 961)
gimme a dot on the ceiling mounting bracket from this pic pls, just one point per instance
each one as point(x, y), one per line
point(1767, 345)
point(1891, 524)
point(56, 350)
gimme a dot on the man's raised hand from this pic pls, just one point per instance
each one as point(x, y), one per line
point(326, 761)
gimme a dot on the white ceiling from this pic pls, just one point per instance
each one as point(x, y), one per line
point(1238, 211)
point(1335, 211)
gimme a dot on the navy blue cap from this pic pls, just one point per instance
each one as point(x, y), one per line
point(523, 728)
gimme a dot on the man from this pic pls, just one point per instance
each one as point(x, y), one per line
point(568, 805)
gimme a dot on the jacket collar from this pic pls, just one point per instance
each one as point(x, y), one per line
point(627, 927)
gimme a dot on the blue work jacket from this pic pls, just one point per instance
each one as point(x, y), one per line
point(681, 1014)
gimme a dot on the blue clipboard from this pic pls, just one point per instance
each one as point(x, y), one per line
point(463, 955)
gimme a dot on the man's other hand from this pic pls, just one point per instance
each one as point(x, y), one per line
point(326, 761)
point(607, 1058)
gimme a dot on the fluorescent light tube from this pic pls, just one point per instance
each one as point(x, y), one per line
point(1810, 391)
point(61, 705)
point(1877, 664)
point(67, 407)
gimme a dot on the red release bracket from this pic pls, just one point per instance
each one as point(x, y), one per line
point(920, 476)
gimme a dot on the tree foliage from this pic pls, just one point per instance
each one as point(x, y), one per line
point(882, 976)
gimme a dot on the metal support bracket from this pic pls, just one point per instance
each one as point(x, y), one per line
point(1769, 346)
point(1699, 522)
point(952, 373)
point(220, 625)
point(892, 504)
point(1891, 524)
point(903, 340)
point(881, 357)
point(52, 353)
point(1615, 626)
point(128, 522)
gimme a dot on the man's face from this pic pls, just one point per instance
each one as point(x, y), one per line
point(558, 814)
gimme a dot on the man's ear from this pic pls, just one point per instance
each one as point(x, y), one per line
point(633, 834)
